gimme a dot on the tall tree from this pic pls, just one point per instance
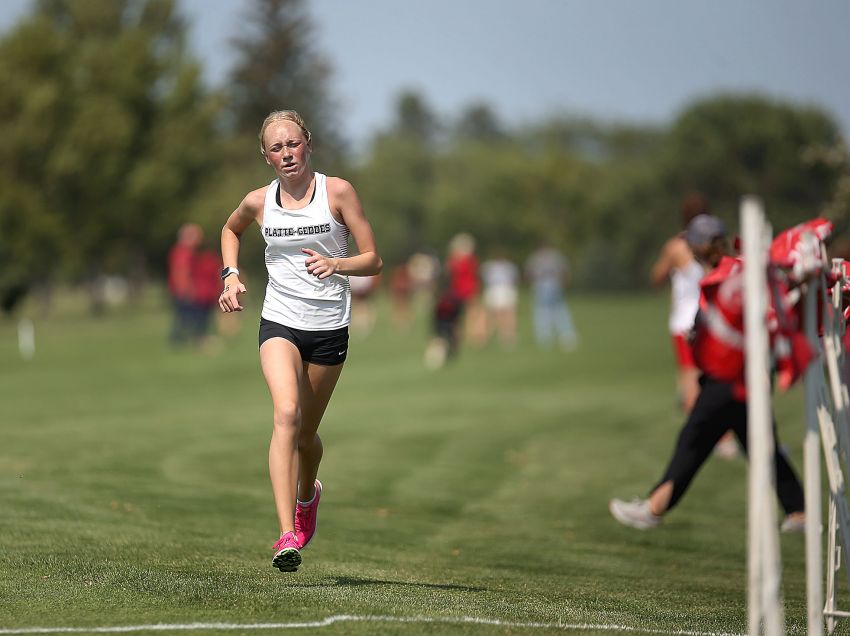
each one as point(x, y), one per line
point(106, 135)
point(414, 119)
point(279, 68)
point(728, 146)
point(397, 180)
point(478, 122)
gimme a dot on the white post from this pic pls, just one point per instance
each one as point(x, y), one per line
point(764, 606)
point(831, 566)
point(811, 467)
point(26, 338)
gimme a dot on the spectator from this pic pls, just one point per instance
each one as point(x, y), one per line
point(462, 268)
point(363, 310)
point(716, 410)
point(501, 277)
point(181, 284)
point(401, 295)
point(446, 314)
point(677, 262)
point(206, 283)
point(549, 271)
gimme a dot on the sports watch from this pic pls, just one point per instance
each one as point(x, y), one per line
point(227, 271)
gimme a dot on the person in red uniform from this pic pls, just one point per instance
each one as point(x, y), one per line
point(206, 281)
point(181, 284)
point(465, 282)
point(719, 407)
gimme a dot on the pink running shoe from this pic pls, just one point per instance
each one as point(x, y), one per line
point(306, 515)
point(287, 558)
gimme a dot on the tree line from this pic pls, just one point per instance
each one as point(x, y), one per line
point(111, 141)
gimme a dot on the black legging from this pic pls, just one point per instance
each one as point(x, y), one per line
point(714, 413)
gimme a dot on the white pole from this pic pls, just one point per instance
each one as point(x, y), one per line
point(831, 566)
point(763, 598)
point(811, 467)
point(26, 338)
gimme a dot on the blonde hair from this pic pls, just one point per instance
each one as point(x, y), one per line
point(284, 115)
point(462, 243)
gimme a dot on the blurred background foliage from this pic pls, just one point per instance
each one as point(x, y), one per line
point(111, 141)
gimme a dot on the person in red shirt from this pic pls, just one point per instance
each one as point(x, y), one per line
point(719, 407)
point(465, 283)
point(181, 284)
point(206, 284)
point(401, 295)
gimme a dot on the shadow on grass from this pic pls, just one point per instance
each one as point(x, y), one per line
point(347, 581)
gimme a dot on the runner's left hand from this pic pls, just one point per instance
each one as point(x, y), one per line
point(319, 265)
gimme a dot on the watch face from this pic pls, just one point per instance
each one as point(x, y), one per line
point(224, 272)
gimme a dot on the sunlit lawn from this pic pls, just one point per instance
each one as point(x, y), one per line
point(133, 484)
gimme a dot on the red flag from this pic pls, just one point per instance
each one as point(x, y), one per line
point(719, 339)
point(799, 258)
point(791, 348)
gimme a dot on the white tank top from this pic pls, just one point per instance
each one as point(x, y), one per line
point(685, 296)
point(294, 297)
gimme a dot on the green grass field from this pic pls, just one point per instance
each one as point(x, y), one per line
point(134, 489)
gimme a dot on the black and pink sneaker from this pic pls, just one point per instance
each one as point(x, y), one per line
point(306, 518)
point(287, 558)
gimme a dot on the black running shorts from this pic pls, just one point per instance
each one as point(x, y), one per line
point(327, 348)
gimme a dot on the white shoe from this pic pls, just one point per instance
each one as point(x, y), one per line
point(727, 449)
point(793, 523)
point(635, 513)
point(436, 354)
